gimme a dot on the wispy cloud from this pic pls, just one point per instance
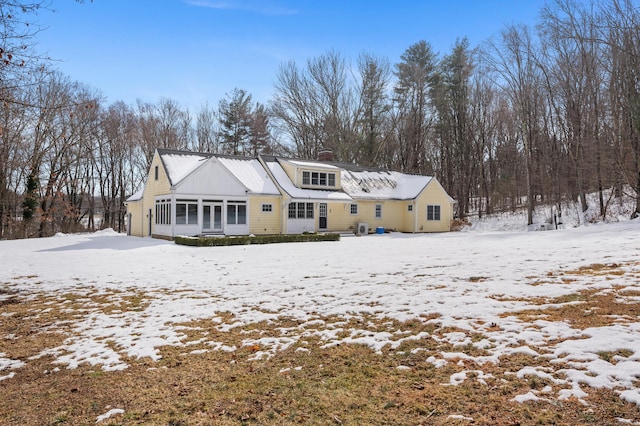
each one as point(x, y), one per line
point(262, 7)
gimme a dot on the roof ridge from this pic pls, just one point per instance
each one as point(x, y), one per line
point(163, 151)
point(169, 151)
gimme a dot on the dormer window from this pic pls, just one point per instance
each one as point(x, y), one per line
point(318, 179)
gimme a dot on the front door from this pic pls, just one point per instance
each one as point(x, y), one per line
point(322, 216)
point(212, 217)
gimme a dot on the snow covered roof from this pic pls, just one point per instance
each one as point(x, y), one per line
point(251, 174)
point(356, 182)
point(249, 171)
point(313, 164)
point(137, 196)
point(313, 194)
point(383, 184)
point(180, 164)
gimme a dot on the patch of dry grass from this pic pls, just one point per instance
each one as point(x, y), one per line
point(588, 307)
point(346, 384)
point(582, 310)
point(309, 382)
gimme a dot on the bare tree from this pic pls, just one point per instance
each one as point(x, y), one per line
point(19, 61)
point(207, 130)
point(516, 68)
point(574, 82)
point(295, 113)
point(373, 110)
point(15, 119)
point(112, 163)
point(484, 113)
point(315, 107)
point(162, 125)
point(60, 127)
point(622, 19)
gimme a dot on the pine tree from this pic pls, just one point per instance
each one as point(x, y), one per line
point(30, 203)
point(235, 121)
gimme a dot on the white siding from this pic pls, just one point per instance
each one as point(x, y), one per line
point(298, 226)
point(211, 178)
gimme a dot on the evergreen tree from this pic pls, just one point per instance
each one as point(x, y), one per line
point(259, 135)
point(235, 122)
point(416, 76)
point(30, 203)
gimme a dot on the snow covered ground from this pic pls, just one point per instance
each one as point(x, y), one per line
point(467, 280)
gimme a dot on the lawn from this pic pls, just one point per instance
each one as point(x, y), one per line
point(500, 328)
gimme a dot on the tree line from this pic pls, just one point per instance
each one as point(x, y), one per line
point(534, 115)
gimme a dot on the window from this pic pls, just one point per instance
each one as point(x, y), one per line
point(323, 179)
point(378, 211)
point(301, 211)
point(433, 212)
point(163, 212)
point(318, 179)
point(156, 172)
point(267, 208)
point(236, 213)
point(410, 207)
point(354, 209)
point(186, 212)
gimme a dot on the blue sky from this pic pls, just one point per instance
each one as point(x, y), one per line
point(196, 51)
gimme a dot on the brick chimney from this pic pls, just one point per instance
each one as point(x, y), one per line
point(325, 154)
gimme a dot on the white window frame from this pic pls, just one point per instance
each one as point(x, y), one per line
point(300, 210)
point(233, 218)
point(320, 179)
point(353, 209)
point(434, 212)
point(378, 211)
point(190, 212)
point(163, 212)
point(267, 208)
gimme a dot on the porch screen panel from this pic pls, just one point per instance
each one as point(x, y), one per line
point(186, 212)
point(206, 217)
point(242, 214)
point(192, 213)
point(231, 214)
point(181, 214)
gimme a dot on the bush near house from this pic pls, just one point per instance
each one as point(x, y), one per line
point(254, 239)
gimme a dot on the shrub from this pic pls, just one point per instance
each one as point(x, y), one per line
point(253, 239)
